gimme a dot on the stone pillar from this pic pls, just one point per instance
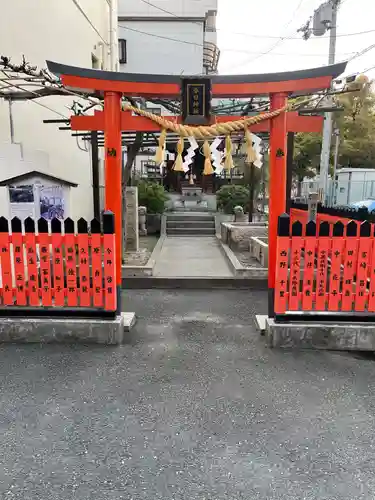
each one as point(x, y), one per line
point(313, 206)
point(131, 220)
point(142, 213)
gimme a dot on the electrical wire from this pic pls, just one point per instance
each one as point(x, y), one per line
point(362, 52)
point(36, 102)
point(163, 37)
point(281, 40)
point(248, 34)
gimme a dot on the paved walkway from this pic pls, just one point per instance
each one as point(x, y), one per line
point(191, 257)
point(194, 407)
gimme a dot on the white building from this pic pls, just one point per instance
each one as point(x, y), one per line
point(75, 32)
point(352, 185)
point(168, 36)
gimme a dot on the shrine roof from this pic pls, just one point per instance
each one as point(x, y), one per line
point(223, 85)
point(63, 69)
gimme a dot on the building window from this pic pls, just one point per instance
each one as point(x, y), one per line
point(122, 51)
point(95, 62)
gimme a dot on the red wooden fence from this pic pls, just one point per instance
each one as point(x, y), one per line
point(57, 267)
point(324, 267)
point(303, 216)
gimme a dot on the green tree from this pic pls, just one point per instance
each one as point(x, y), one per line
point(357, 125)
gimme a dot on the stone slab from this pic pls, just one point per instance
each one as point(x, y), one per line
point(333, 336)
point(128, 319)
point(238, 269)
point(260, 322)
point(63, 330)
point(131, 220)
point(189, 257)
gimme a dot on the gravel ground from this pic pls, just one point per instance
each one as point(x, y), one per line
point(193, 407)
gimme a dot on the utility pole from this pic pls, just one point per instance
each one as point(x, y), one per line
point(335, 160)
point(325, 19)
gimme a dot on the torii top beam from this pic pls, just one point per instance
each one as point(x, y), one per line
point(143, 85)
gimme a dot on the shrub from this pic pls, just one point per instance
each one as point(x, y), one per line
point(152, 196)
point(230, 196)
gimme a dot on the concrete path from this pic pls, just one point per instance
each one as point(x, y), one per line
point(194, 407)
point(191, 257)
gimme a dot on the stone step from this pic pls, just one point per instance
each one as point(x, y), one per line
point(191, 217)
point(190, 223)
point(191, 231)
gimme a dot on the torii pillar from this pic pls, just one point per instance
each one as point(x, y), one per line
point(113, 174)
point(277, 183)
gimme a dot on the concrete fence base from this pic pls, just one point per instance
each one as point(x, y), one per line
point(338, 336)
point(65, 330)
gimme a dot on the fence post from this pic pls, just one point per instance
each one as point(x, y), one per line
point(309, 266)
point(279, 303)
point(112, 298)
point(6, 267)
point(18, 260)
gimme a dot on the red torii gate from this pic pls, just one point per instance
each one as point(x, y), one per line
point(279, 86)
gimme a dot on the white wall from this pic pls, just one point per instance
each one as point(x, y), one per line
point(56, 30)
point(151, 54)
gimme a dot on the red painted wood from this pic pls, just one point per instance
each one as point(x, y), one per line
point(350, 264)
point(71, 269)
point(33, 289)
point(334, 296)
point(282, 272)
point(308, 273)
point(58, 269)
point(96, 269)
point(110, 302)
point(19, 269)
point(321, 272)
point(45, 269)
point(6, 270)
point(295, 273)
point(363, 268)
point(129, 122)
point(371, 274)
point(277, 195)
point(157, 89)
point(84, 270)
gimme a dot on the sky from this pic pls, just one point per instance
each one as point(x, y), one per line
point(244, 25)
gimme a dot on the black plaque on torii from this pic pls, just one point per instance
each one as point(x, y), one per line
point(196, 98)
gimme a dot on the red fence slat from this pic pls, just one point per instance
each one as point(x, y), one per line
point(6, 270)
point(71, 269)
point(295, 273)
point(308, 273)
point(371, 274)
point(32, 269)
point(84, 270)
point(45, 269)
point(321, 272)
point(282, 272)
point(58, 269)
point(19, 269)
point(110, 291)
point(349, 262)
point(335, 274)
point(97, 270)
point(361, 293)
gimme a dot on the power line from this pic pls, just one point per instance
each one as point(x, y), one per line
point(362, 52)
point(163, 37)
point(281, 40)
point(248, 34)
point(35, 102)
